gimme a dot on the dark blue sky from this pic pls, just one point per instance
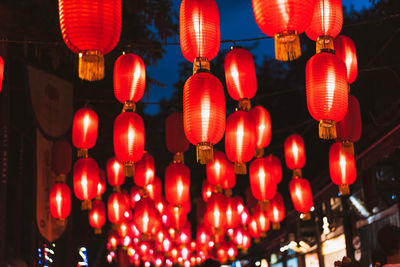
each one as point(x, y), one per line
point(237, 22)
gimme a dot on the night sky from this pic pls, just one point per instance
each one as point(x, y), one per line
point(237, 22)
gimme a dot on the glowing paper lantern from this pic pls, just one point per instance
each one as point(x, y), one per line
point(254, 228)
point(261, 217)
point(144, 170)
point(86, 179)
point(97, 216)
point(262, 184)
point(101, 186)
point(116, 207)
point(60, 201)
point(115, 174)
point(207, 190)
point(175, 136)
point(84, 130)
point(177, 183)
point(263, 128)
point(154, 190)
point(92, 29)
point(232, 215)
point(216, 212)
point(295, 154)
point(221, 172)
point(276, 211)
point(146, 216)
point(301, 194)
point(346, 51)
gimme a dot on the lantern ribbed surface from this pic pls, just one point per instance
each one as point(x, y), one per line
point(342, 166)
point(263, 126)
point(177, 183)
point(146, 216)
point(276, 211)
point(199, 29)
point(175, 134)
point(97, 215)
point(345, 49)
point(275, 168)
point(203, 109)
point(86, 178)
point(327, 19)
point(294, 152)
point(221, 170)
point(262, 185)
point(216, 211)
point(90, 24)
point(115, 174)
point(240, 74)
point(129, 78)
point(144, 170)
point(300, 191)
point(116, 207)
point(326, 86)
point(60, 201)
point(349, 129)
point(84, 128)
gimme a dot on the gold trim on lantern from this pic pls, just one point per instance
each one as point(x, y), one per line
point(259, 153)
point(117, 189)
point(61, 222)
point(91, 65)
point(61, 178)
point(287, 46)
point(244, 104)
point(218, 189)
point(325, 44)
point(344, 189)
point(98, 197)
point(306, 216)
point(97, 231)
point(297, 173)
point(263, 234)
point(86, 204)
point(201, 64)
point(276, 226)
point(129, 106)
point(82, 153)
point(327, 129)
point(348, 147)
point(179, 158)
point(240, 168)
point(129, 169)
point(204, 152)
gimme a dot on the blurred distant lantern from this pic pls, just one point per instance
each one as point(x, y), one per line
point(276, 211)
point(254, 228)
point(284, 20)
point(232, 215)
point(146, 216)
point(326, 23)
point(90, 29)
point(154, 189)
point(134, 196)
point(144, 170)
point(202, 236)
point(97, 216)
point(221, 172)
point(129, 79)
point(128, 140)
point(263, 128)
point(177, 217)
point(113, 241)
point(240, 139)
point(301, 194)
point(232, 251)
point(158, 259)
point(60, 201)
point(260, 215)
point(222, 253)
point(61, 158)
point(240, 74)
point(349, 129)
point(216, 213)
point(262, 184)
point(184, 236)
point(342, 167)
point(123, 229)
point(295, 154)
point(199, 31)
point(115, 174)
point(244, 216)
point(346, 51)
point(327, 93)
point(116, 207)
point(101, 186)
point(204, 113)
point(177, 183)
point(84, 130)
point(175, 136)
point(86, 180)
point(207, 190)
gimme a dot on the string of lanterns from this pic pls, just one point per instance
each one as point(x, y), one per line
point(154, 229)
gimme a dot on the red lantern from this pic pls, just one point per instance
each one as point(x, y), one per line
point(128, 139)
point(346, 51)
point(154, 190)
point(146, 216)
point(92, 29)
point(202, 236)
point(84, 130)
point(240, 74)
point(207, 190)
point(240, 139)
point(158, 259)
point(244, 216)
point(275, 168)
point(199, 29)
point(177, 183)
point(261, 217)
point(284, 21)
point(326, 23)
point(129, 78)
point(342, 167)
point(204, 113)
point(144, 170)
point(97, 216)
point(221, 172)
point(184, 236)
point(116, 207)
point(175, 136)
point(349, 129)
point(61, 157)
point(232, 215)
point(276, 211)
point(134, 196)
point(86, 179)
point(301, 194)
point(115, 174)
point(222, 253)
point(262, 184)
point(101, 186)
point(327, 92)
point(295, 153)
point(254, 228)
point(60, 201)
point(263, 128)
point(177, 218)
point(216, 212)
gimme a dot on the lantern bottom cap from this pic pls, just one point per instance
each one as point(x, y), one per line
point(265, 205)
point(259, 153)
point(325, 44)
point(129, 169)
point(204, 152)
point(86, 204)
point(327, 129)
point(306, 216)
point(344, 189)
point(287, 46)
point(91, 65)
point(179, 158)
point(82, 153)
point(348, 147)
point(276, 226)
point(244, 104)
point(240, 168)
point(97, 231)
point(61, 222)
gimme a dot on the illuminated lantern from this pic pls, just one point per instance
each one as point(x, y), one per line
point(301, 194)
point(115, 174)
point(91, 29)
point(158, 259)
point(275, 168)
point(146, 216)
point(154, 190)
point(342, 167)
point(184, 235)
point(216, 212)
point(204, 113)
point(175, 136)
point(128, 140)
point(230, 178)
point(232, 215)
point(254, 228)
point(221, 172)
point(97, 216)
point(262, 184)
point(276, 211)
point(327, 92)
point(101, 186)
point(113, 241)
point(129, 79)
point(199, 30)
point(144, 170)
point(207, 190)
point(61, 157)
point(222, 253)
point(240, 139)
point(295, 154)
point(349, 129)
point(60, 201)
point(240, 74)
point(246, 242)
point(232, 250)
point(134, 196)
point(261, 217)
point(177, 183)
point(263, 128)
point(326, 23)
point(284, 20)
point(161, 204)
point(86, 179)
point(167, 244)
point(177, 218)
point(84, 130)
point(244, 216)
point(202, 236)
point(116, 207)
point(241, 238)
point(346, 51)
